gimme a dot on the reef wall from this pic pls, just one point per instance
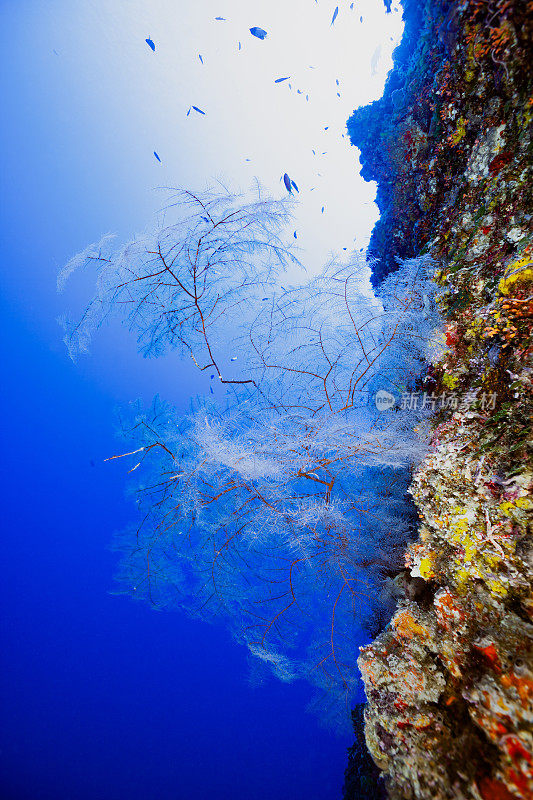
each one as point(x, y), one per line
point(450, 681)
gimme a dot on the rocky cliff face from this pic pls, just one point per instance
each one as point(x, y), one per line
point(450, 681)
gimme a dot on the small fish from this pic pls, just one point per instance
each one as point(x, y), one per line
point(234, 358)
point(198, 109)
point(327, 126)
point(150, 43)
point(265, 298)
point(294, 186)
point(337, 81)
point(200, 57)
point(55, 51)
point(338, 94)
point(205, 219)
point(299, 91)
point(287, 182)
point(239, 45)
point(220, 19)
point(307, 97)
point(374, 61)
point(155, 154)
point(335, 14)
point(295, 235)
point(351, 6)
point(211, 389)
point(280, 80)
point(259, 33)
point(189, 111)
point(313, 152)
point(323, 207)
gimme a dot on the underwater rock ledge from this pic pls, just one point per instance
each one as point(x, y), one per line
point(450, 681)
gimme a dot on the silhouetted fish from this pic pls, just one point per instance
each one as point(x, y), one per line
point(280, 80)
point(200, 57)
point(259, 33)
point(155, 154)
point(374, 61)
point(150, 44)
point(287, 182)
point(335, 13)
point(220, 19)
point(198, 109)
point(294, 186)
point(294, 234)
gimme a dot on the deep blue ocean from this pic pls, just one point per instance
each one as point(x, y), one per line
point(104, 698)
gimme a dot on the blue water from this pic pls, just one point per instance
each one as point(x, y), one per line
point(103, 697)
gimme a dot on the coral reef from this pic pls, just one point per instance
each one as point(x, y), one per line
point(450, 681)
point(362, 776)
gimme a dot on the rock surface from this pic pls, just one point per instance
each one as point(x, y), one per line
point(450, 681)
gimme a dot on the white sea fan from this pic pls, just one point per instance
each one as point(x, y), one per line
point(281, 510)
point(281, 666)
point(94, 252)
